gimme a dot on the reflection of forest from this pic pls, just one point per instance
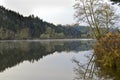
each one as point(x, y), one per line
point(13, 53)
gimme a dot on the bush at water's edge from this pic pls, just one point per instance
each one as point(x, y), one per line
point(107, 55)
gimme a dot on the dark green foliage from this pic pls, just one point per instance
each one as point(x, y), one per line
point(76, 31)
point(115, 0)
point(16, 26)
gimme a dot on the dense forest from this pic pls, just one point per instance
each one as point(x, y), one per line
point(16, 26)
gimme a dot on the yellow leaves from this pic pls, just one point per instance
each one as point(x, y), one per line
point(117, 54)
point(107, 52)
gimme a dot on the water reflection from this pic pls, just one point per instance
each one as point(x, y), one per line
point(86, 70)
point(90, 70)
point(13, 53)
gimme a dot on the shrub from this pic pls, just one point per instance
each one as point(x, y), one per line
point(107, 55)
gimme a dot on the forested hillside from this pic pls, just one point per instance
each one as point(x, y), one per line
point(16, 26)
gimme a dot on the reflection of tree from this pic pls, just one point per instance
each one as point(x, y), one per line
point(85, 71)
point(91, 71)
point(13, 53)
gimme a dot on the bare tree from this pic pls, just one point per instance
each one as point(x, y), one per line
point(99, 15)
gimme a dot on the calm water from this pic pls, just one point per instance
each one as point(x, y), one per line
point(42, 60)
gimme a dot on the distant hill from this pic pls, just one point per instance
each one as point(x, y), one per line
point(16, 26)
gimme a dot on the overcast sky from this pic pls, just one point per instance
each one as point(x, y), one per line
point(54, 11)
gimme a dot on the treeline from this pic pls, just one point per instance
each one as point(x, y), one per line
point(16, 26)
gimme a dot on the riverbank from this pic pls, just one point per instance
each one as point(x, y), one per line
point(44, 40)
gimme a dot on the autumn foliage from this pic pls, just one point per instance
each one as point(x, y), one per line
point(107, 54)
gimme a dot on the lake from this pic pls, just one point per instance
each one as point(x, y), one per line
point(42, 59)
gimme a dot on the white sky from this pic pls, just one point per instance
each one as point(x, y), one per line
point(54, 11)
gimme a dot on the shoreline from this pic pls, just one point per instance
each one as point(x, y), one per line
point(46, 40)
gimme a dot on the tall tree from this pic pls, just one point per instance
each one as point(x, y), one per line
point(97, 14)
